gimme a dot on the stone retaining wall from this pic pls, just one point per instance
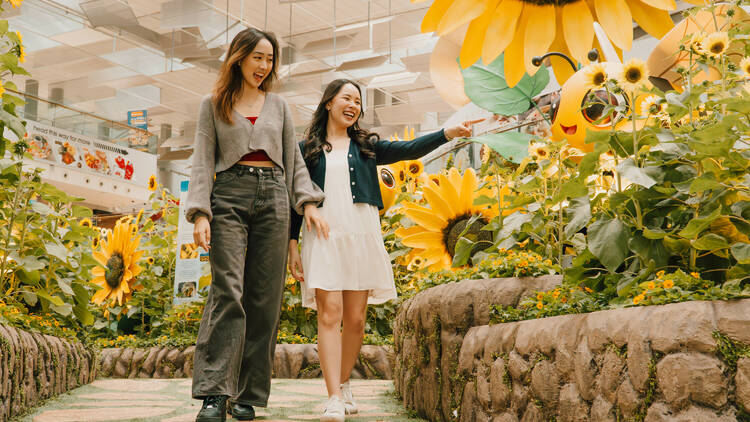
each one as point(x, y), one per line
point(430, 328)
point(685, 362)
point(290, 361)
point(35, 367)
point(653, 364)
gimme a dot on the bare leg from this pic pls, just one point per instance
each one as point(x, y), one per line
point(355, 313)
point(330, 308)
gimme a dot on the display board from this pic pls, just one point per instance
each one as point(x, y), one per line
point(53, 145)
point(192, 270)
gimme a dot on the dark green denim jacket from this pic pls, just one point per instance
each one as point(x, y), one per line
point(363, 171)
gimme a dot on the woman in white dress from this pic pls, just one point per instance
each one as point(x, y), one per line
point(351, 268)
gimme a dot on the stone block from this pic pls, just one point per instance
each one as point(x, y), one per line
point(742, 383)
point(545, 385)
point(691, 376)
point(692, 330)
point(601, 410)
point(585, 370)
point(517, 366)
point(499, 391)
point(572, 408)
point(731, 319)
point(627, 400)
point(639, 363)
point(610, 375)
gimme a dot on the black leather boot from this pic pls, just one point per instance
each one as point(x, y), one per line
point(214, 409)
point(241, 412)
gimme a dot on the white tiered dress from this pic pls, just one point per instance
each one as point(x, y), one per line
point(354, 256)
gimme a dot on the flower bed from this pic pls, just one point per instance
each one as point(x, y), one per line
point(680, 361)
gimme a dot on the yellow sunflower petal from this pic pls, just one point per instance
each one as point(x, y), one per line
point(660, 4)
point(655, 21)
point(101, 295)
point(119, 296)
point(408, 231)
point(455, 177)
point(501, 29)
point(515, 67)
point(540, 32)
point(98, 271)
point(449, 192)
point(468, 186)
point(427, 219)
point(101, 258)
point(438, 203)
point(424, 240)
point(459, 13)
point(434, 15)
point(617, 21)
point(578, 29)
point(99, 280)
point(471, 49)
point(562, 69)
point(136, 270)
point(125, 287)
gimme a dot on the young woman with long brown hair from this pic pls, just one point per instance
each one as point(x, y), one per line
point(245, 139)
point(351, 268)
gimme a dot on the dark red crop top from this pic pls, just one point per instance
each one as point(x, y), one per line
point(258, 155)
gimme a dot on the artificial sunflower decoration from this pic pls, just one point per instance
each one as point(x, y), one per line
point(523, 29)
point(634, 75)
point(152, 185)
point(596, 75)
point(86, 222)
point(716, 44)
point(118, 266)
point(745, 66)
point(438, 227)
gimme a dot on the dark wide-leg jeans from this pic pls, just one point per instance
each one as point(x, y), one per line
point(249, 235)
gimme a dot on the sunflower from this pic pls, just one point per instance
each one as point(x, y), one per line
point(138, 217)
point(696, 42)
point(652, 104)
point(527, 28)
point(715, 44)
point(634, 75)
point(416, 263)
point(414, 167)
point(21, 54)
point(95, 243)
point(118, 268)
point(745, 66)
point(152, 183)
point(538, 151)
point(150, 260)
point(438, 227)
point(86, 222)
point(596, 75)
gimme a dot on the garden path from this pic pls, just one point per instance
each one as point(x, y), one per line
point(169, 401)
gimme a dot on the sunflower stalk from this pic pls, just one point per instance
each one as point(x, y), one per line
point(6, 244)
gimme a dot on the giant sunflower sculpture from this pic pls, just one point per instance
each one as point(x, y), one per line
point(118, 265)
point(524, 29)
point(451, 207)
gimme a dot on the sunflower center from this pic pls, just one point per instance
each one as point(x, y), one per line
point(717, 47)
point(456, 226)
point(599, 78)
point(633, 75)
point(114, 271)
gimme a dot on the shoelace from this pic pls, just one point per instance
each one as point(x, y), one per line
point(212, 401)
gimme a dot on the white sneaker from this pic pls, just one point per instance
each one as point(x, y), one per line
point(334, 410)
point(349, 405)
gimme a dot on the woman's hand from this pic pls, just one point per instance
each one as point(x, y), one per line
point(202, 232)
point(313, 218)
point(295, 262)
point(461, 131)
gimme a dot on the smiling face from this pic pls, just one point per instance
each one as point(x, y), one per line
point(581, 109)
point(345, 107)
point(258, 64)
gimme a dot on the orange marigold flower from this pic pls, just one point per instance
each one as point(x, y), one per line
point(539, 305)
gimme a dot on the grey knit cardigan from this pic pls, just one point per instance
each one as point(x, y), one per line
point(219, 145)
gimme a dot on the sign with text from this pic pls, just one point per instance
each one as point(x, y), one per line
point(53, 145)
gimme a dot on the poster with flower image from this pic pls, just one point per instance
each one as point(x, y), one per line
point(192, 269)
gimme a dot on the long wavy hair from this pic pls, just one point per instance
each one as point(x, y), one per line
point(316, 133)
point(230, 82)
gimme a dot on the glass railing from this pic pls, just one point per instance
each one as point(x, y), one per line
point(65, 117)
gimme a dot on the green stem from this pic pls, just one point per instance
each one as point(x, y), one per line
point(16, 197)
point(636, 154)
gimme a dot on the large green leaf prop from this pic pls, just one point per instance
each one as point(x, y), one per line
point(514, 146)
point(486, 87)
